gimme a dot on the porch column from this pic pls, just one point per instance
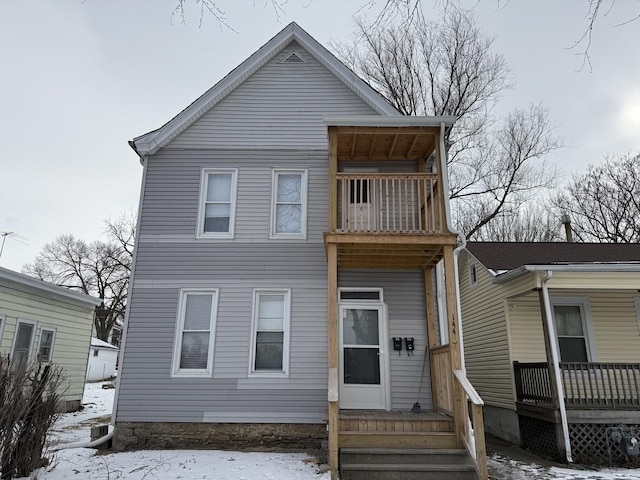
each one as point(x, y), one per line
point(432, 340)
point(562, 449)
point(459, 402)
point(332, 259)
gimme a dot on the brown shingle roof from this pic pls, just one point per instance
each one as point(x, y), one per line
point(500, 256)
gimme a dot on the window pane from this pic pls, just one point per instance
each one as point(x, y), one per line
point(572, 349)
point(24, 337)
point(198, 312)
point(219, 187)
point(216, 218)
point(288, 219)
point(270, 312)
point(360, 327)
point(361, 366)
point(269, 347)
point(195, 350)
point(46, 342)
point(568, 320)
point(289, 188)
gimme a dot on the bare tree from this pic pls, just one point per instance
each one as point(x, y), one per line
point(604, 203)
point(447, 67)
point(100, 269)
point(534, 222)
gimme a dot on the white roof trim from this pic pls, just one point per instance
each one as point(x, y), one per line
point(377, 121)
point(151, 142)
point(47, 287)
point(572, 267)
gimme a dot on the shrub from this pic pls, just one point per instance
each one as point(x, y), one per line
point(29, 399)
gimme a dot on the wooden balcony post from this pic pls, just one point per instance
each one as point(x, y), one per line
point(332, 259)
point(459, 401)
point(431, 331)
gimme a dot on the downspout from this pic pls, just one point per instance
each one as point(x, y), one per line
point(456, 251)
point(91, 444)
point(556, 364)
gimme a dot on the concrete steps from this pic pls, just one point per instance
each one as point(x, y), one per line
point(406, 464)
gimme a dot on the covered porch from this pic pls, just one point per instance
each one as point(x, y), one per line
point(387, 211)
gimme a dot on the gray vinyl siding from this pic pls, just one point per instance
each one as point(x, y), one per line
point(404, 296)
point(281, 105)
point(272, 120)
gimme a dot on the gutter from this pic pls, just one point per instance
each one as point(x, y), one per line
point(584, 267)
point(556, 364)
point(463, 239)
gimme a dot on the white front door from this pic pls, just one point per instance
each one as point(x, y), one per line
point(363, 372)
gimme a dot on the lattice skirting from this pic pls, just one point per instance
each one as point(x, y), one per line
point(591, 445)
point(539, 437)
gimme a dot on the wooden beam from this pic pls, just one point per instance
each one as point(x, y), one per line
point(332, 273)
point(416, 130)
point(460, 416)
point(333, 182)
point(413, 144)
point(391, 239)
point(432, 340)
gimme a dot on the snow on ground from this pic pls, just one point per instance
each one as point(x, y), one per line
point(85, 463)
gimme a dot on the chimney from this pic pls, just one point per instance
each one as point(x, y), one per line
point(566, 221)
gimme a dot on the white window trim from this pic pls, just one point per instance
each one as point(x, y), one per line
point(361, 300)
point(443, 323)
point(303, 208)
point(31, 342)
point(53, 342)
point(473, 274)
point(176, 371)
point(587, 322)
point(285, 338)
point(200, 233)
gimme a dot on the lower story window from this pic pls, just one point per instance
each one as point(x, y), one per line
point(573, 330)
point(193, 349)
point(45, 350)
point(270, 352)
point(22, 343)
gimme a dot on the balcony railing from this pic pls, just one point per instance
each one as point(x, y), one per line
point(389, 203)
point(586, 385)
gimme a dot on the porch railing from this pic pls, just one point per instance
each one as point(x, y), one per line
point(586, 385)
point(389, 203)
point(474, 433)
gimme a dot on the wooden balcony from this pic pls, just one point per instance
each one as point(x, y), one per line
point(388, 220)
point(604, 386)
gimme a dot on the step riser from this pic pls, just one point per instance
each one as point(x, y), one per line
point(400, 475)
point(406, 458)
point(442, 440)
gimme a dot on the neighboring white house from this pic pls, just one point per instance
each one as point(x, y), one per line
point(102, 360)
point(51, 323)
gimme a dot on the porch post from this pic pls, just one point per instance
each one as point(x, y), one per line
point(459, 403)
point(332, 259)
point(432, 340)
point(553, 379)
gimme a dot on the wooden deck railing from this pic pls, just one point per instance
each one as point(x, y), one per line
point(389, 203)
point(475, 442)
point(586, 385)
point(441, 379)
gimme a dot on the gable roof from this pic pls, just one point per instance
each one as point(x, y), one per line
point(505, 256)
point(153, 141)
point(48, 287)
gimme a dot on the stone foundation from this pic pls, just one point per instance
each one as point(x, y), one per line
point(219, 436)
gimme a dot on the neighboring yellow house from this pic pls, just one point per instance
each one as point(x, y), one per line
point(545, 322)
point(51, 323)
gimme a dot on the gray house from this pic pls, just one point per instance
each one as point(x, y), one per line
point(290, 224)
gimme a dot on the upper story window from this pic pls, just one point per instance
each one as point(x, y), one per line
point(216, 217)
point(45, 350)
point(193, 348)
point(270, 338)
point(289, 204)
point(473, 274)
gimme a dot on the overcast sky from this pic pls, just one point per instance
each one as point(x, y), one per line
point(81, 78)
